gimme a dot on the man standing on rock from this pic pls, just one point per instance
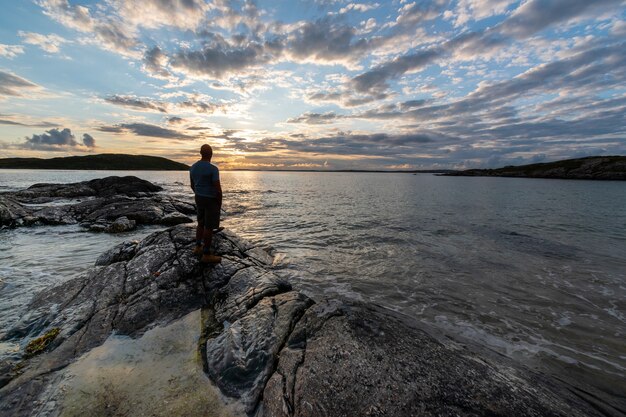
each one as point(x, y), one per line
point(205, 183)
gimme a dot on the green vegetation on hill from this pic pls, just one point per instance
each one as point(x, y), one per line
point(589, 168)
point(96, 162)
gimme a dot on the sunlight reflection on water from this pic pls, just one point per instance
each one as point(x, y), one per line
point(532, 268)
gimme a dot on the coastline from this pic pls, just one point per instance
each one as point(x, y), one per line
point(335, 355)
point(152, 283)
point(341, 301)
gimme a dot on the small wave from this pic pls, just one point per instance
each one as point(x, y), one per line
point(514, 345)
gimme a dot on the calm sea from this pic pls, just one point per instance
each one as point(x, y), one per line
point(534, 269)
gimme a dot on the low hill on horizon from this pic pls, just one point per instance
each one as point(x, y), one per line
point(111, 161)
point(588, 168)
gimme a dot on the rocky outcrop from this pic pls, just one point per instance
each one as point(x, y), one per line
point(589, 168)
point(100, 187)
point(112, 205)
point(12, 213)
point(267, 346)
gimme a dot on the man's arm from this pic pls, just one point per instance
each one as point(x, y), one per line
point(193, 188)
point(218, 187)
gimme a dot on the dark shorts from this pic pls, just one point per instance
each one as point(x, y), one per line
point(208, 212)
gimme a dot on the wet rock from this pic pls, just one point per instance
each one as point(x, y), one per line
point(134, 287)
point(241, 358)
point(121, 224)
point(268, 347)
point(100, 187)
point(12, 213)
point(352, 359)
point(245, 289)
point(118, 253)
point(110, 201)
point(96, 227)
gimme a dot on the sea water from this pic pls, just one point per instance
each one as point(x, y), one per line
point(534, 269)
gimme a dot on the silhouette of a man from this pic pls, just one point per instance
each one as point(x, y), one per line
point(205, 183)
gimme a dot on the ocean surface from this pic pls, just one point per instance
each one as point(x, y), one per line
point(533, 269)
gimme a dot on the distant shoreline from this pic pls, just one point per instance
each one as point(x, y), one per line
point(101, 162)
point(607, 168)
point(427, 171)
point(598, 168)
point(238, 170)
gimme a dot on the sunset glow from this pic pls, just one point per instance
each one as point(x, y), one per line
point(324, 84)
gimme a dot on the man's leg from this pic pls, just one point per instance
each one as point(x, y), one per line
point(211, 221)
point(200, 209)
point(207, 237)
point(199, 234)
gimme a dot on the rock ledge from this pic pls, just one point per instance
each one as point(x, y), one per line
point(268, 347)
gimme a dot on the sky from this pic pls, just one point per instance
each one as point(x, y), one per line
point(319, 84)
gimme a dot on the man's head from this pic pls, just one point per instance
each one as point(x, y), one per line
point(206, 151)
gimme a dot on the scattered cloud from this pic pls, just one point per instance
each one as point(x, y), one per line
point(137, 103)
point(329, 41)
point(358, 7)
point(525, 21)
point(218, 59)
point(395, 84)
point(174, 120)
point(10, 51)
point(56, 140)
point(12, 121)
point(49, 43)
point(146, 129)
point(89, 141)
point(14, 85)
point(472, 10)
point(182, 14)
point(315, 118)
point(155, 62)
point(103, 29)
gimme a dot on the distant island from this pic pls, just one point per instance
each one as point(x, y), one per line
point(589, 168)
point(97, 162)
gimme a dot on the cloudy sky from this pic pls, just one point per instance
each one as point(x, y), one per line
point(325, 84)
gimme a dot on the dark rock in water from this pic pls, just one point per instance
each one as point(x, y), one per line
point(121, 224)
point(109, 201)
point(267, 346)
point(12, 213)
point(135, 287)
point(100, 187)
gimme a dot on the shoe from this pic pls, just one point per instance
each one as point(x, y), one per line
point(197, 250)
point(210, 259)
point(219, 229)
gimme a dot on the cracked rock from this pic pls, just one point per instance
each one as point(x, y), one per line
point(111, 205)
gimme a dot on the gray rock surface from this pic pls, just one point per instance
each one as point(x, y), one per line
point(111, 205)
point(121, 224)
point(267, 346)
point(12, 213)
point(347, 359)
point(118, 253)
point(100, 187)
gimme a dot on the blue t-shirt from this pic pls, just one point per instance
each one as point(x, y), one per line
point(204, 174)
